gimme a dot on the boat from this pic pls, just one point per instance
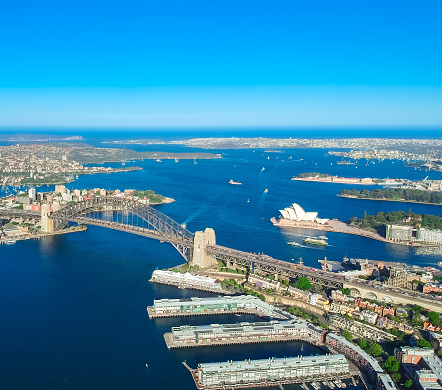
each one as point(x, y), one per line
point(294, 243)
point(323, 237)
point(235, 182)
point(439, 264)
point(344, 162)
point(266, 190)
point(315, 385)
point(9, 241)
point(315, 241)
point(331, 385)
point(158, 160)
point(248, 200)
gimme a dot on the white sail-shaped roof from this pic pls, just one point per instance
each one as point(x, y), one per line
point(285, 214)
point(299, 212)
point(310, 216)
point(292, 214)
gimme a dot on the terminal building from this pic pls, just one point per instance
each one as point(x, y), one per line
point(240, 333)
point(265, 372)
point(215, 305)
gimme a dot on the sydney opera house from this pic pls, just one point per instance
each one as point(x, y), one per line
point(297, 213)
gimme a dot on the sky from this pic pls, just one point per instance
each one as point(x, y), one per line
point(141, 64)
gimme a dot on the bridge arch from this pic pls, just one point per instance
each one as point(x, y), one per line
point(155, 223)
point(371, 295)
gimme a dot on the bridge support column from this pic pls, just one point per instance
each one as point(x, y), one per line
point(46, 223)
point(200, 241)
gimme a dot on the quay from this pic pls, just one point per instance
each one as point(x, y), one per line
point(245, 304)
point(269, 372)
point(241, 333)
point(187, 280)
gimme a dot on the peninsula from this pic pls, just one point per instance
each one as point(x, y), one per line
point(381, 227)
point(58, 163)
point(396, 195)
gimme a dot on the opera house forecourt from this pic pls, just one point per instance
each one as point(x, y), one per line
point(297, 214)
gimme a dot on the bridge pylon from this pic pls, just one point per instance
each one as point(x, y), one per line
point(200, 242)
point(46, 223)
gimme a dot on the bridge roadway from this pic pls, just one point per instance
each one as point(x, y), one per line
point(274, 266)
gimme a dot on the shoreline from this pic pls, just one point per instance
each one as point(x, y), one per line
point(335, 226)
point(390, 200)
point(333, 181)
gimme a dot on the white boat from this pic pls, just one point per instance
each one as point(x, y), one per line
point(158, 160)
point(323, 237)
point(266, 190)
point(294, 243)
point(9, 241)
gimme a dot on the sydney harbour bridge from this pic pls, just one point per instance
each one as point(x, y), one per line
point(197, 248)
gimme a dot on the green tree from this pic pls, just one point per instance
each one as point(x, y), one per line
point(408, 383)
point(345, 291)
point(346, 334)
point(375, 349)
point(422, 343)
point(303, 283)
point(363, 344)
point(395, 376)
point(391, 365)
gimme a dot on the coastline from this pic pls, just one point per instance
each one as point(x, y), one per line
point(336, 226)
point(390, 200)
point(318, 180)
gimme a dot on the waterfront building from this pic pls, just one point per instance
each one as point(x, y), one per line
point(426, 380)
point(265, 371)
point(214, 305)
point(186, 279)
point(432, 287)
point(399, 232)
point(429, 236)
point(243, 332)
point(296, 213)
point(363, 360)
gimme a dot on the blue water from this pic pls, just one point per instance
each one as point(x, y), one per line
point(73, 307)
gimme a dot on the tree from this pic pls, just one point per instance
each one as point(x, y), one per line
point(392, 364)
point(347, 335)
point(408, 383)
point(345, 291)
point(303, 283)
point(363, 344)
point(375, 349)
point(396, 376)
point(422, 343)
point(433, 317)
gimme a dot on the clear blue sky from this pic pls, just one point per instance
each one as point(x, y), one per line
point(220, 63)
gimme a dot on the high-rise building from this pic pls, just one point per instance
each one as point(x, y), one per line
point(32, 194)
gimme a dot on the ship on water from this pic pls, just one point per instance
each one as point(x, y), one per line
point(235, 182)
point(315, 241)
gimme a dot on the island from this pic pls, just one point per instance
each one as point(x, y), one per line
point(395, 194)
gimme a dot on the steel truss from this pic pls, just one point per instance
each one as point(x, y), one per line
point(268, 264)
point(159, 225)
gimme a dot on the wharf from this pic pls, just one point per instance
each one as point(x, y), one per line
point(269, 383)
point(191, 287)
point(168, 338)
point(152, 314)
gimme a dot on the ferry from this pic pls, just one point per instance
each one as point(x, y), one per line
point(315, 241)
point(294, 243)
point(235, 182)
